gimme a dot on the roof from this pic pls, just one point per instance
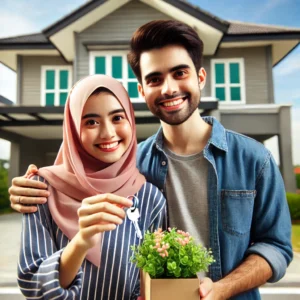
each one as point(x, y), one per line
point(237, 27)
point(5, 101)
point(26, 41)
point(215, 32)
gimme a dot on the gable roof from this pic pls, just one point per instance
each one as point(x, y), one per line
point(214, 31)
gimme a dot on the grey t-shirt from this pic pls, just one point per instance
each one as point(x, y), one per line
point(186, 189)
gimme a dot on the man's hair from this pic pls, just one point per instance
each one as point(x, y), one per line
point(161, 33)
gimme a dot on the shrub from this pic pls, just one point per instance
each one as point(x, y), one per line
point(171, 253)
point(298, 181)
point(294, 205)
point(4, 198)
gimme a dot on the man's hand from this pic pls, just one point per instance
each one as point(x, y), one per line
point(26, 193)
point(208, 290)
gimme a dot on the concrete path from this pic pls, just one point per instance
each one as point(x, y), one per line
point(10, 232)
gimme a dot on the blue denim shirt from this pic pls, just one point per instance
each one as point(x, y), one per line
point(248, 211)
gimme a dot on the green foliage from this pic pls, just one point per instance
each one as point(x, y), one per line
point(171, 254)
point(294, 205)
point(298, 181)
point(4, 198)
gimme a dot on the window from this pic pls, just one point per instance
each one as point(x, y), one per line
point(228, 80)
point(56, 83)
point(115, 64)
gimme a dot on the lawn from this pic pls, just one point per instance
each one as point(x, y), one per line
point(296, 237)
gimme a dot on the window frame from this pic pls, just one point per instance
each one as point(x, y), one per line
point(227, 85)
point(56, 90)
point(108, 58)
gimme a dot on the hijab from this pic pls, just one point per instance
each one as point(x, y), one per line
point(76, 175)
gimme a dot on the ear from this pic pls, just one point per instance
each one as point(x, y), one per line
point(141, 90)
point(202, 78)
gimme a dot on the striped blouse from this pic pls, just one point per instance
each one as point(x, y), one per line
point(117, 278)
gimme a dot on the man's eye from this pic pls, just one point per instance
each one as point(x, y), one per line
point(153, 80)
point(180, 73)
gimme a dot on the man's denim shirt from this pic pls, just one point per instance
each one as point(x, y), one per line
point(248, 211)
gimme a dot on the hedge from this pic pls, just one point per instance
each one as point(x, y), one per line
point(294, 205)
point(298, 181)
point(4, 199)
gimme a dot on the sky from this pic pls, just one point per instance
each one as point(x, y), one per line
point(19, 17)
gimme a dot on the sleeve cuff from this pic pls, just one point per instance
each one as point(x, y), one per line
point(275, 259)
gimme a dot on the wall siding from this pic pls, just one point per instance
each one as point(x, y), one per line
point(31, 77)
point(257, 70)
point(118, 26)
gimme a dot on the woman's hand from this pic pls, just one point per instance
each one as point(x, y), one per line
point(98, 214)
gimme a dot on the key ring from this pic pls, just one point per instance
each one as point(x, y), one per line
point(135, 201)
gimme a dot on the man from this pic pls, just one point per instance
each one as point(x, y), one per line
point(222, 187)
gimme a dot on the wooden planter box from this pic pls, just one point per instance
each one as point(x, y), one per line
point(164, 289)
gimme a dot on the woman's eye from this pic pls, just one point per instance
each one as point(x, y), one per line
point(118, 118)
point(91, 122)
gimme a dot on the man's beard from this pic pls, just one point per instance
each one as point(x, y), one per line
point(176, 117)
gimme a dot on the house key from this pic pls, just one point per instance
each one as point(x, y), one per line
point(133, 215)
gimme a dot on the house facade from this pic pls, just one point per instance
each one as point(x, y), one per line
point(94, 39)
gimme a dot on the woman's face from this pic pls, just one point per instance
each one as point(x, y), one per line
point(105, 130)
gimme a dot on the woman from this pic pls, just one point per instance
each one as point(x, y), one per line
point(78, 244)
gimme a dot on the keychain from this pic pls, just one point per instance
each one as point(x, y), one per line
point(133, 215)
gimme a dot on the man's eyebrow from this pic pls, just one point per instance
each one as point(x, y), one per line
point(99, 116)
point(183, 66)
point(153, 74)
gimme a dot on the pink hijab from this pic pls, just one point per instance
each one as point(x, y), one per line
point(76, 175)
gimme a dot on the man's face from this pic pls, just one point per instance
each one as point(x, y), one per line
point(170, 83)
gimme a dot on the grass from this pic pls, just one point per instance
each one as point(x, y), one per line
point(296, 237)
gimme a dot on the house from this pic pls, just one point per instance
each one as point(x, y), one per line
point(238, 57)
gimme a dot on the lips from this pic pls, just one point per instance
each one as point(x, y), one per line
point(108, 147)
point(173, 104)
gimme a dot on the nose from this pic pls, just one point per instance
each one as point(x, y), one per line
point(107, 131)
point(170, 86)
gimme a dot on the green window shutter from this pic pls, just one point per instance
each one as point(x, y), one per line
point(219, 73)
point(117, 70)
point(100, 65)
point(50, 99)
point(130, 73)
point(220, 93)
point(235, 94)
point(63, 79)
point(234, 71)
point(50, 79)
point(132, 90)
point(62, 98)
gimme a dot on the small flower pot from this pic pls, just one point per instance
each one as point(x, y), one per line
point(173, 288)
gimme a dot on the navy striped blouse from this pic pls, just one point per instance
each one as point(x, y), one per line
point(117, 278)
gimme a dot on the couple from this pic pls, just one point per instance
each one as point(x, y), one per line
point(222, 187)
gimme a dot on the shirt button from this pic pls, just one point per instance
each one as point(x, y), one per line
point(162, 190)
point(163, 163)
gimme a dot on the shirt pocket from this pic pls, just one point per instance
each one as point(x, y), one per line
point(237, 210)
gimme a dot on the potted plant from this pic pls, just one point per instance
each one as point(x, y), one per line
point(169, 262)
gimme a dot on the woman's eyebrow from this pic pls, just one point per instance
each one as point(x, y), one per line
point(116, 111)
point(90, 116)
